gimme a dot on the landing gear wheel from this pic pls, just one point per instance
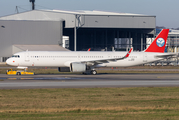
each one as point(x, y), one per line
point(93, 72)
point(18, 73)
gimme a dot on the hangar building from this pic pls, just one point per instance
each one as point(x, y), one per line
point(85, 29)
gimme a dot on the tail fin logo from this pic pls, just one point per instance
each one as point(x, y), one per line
point(160, 42)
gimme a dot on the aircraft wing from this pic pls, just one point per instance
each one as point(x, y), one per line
point(94, 62)
point(167, 55)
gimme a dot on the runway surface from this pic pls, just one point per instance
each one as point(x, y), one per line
point(82, 81)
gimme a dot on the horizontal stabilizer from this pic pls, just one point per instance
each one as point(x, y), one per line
point(167, 55)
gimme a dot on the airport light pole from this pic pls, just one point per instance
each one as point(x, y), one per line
point(33, 4)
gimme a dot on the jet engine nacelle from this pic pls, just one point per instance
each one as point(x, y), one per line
point(78, 67)
point(74, 67)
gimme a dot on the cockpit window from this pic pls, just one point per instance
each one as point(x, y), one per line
point(16, 56)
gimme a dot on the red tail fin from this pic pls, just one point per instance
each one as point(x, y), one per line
point(158, 45)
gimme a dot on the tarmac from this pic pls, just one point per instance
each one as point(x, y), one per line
point(88, 81)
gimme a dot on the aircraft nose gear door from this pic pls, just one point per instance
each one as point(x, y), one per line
point(26, 56)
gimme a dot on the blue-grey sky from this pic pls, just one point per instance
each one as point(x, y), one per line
point(166, 11)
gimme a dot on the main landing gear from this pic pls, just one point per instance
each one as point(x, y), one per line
point(92, 72)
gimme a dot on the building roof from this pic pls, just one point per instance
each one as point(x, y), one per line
point(87, 19)
point(94, 12)
point(45, 16)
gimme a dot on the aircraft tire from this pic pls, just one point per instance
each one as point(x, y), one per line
point(93, 72)
point(18, 73)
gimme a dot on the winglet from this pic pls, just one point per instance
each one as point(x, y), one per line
point(89, 49)
point(127, 55)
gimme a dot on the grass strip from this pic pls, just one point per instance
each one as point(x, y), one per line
point(91, 103)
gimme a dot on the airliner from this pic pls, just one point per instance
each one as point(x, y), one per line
point(87, 61)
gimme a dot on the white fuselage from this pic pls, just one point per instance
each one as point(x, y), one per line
point(64, 58)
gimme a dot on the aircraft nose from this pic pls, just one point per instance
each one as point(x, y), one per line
point(8, 62)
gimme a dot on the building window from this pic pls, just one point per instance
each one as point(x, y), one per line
point(4, 59)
